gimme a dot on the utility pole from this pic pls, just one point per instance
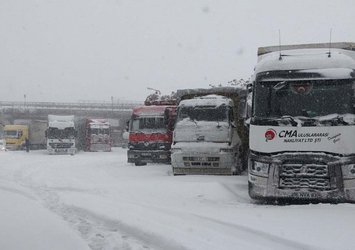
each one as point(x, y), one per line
point(112, 105)
point(24, 102)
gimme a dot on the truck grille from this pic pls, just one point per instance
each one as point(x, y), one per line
point(306, 175)
point(314, 183)
point(201, 161)
point(313, 170)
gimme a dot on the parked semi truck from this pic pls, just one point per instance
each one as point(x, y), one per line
point(61, 134)
point(16, 134)
point(209, 134)
point(302, 126)
point(150, 131)
point(95, 135)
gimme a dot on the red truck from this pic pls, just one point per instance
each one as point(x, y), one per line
point(95, 135)
point(150, 131)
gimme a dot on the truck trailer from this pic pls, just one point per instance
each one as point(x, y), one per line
point(302, 126)
point(209, 134)
point(61, 134)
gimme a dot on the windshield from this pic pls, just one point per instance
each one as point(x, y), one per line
point(12, 134)
point(148, 123)
point(203, 113)
point(304, 98)
point(99, 131)
point(55, 133)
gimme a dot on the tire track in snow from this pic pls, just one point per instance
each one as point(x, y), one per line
point(150, 240)
point(266, 240)
point(261, 236)
point(236, 193)
point(101, 232)
point(19, 192)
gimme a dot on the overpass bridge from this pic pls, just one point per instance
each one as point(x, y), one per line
point(116, 113)
point(40, 110)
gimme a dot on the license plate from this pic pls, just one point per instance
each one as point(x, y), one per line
point(146, 154)
point(61, 150)
point(305, 195)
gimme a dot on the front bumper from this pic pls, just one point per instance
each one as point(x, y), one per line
point(148, 156)
point(13, 147)
point(273, 187)
point(58, 151)
point(96, 147)
point(184, 163)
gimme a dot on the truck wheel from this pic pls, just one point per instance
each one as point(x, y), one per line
point(239, 167)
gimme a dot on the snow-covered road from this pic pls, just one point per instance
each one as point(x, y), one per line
point(98, 201)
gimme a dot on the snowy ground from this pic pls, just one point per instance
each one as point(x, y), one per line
point(98, 201)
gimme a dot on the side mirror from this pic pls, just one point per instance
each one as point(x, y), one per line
point(249, 87)
point(125, 135)
point(247, 123)
point(127, 126)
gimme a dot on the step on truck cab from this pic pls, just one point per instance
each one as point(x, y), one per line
point(209, 135)
point(150, 131)
point(302, 126)
point(61, 134)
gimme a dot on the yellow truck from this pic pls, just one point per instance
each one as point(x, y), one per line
point(15, 136)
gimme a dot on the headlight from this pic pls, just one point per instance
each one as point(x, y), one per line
point(349, 170)
point(226, 150)
point(176, 150)
point(259, 168)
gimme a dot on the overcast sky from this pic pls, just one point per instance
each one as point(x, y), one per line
point(74, 50)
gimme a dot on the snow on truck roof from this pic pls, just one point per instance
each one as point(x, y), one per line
point(59, 118)
point(209, 100)
point(309, 58)
point(98, 123)
point(61, 121)
point(153, 110)
point(183, 94)
point(14, 127)
point(339, 65)
point(341, 45)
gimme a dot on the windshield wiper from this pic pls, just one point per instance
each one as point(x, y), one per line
point(334, 120)
point(290, 119)
point(278, 121)
point(279, 85)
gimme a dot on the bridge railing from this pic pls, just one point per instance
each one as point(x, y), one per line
point(68, 105)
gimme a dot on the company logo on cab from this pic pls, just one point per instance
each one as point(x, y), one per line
point(270, 134)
